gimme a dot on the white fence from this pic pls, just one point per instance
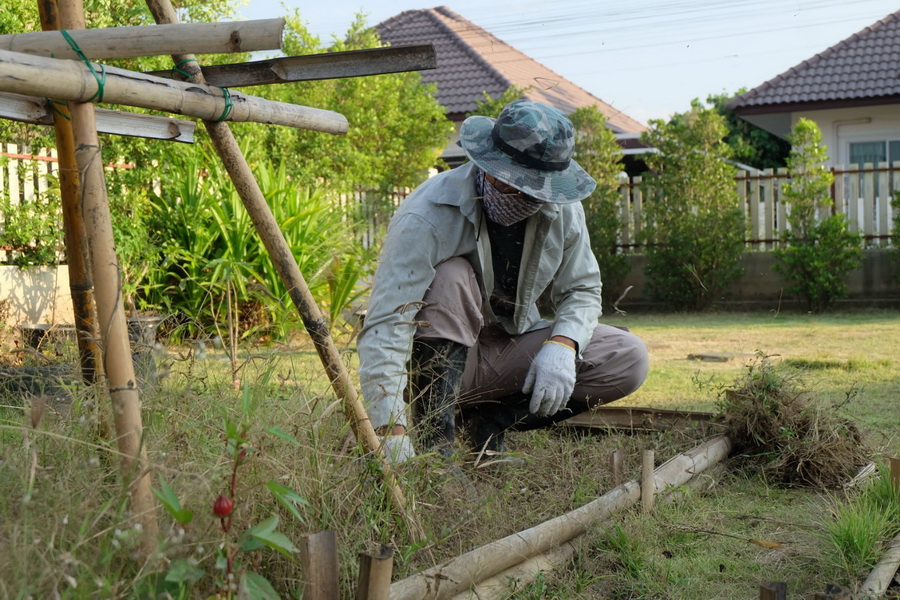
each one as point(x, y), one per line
point(861, 192)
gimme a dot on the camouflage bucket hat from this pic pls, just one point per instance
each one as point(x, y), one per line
point(529, 146)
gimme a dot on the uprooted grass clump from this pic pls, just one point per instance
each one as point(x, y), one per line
point(777, 424)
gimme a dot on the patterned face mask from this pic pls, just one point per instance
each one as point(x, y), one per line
point(504, 208)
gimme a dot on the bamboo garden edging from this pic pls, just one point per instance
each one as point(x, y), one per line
point(151, 40)
point(876, 584)
point(455, 576)
point(73, 81)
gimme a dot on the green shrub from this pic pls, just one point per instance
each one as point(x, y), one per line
point(597, 151)
point(694, 228)
point(817, 254)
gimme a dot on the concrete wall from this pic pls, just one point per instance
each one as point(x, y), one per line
point(842, 126)
point(872, 285)
point(35, 295)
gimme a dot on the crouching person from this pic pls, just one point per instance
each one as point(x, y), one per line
point(453, 326)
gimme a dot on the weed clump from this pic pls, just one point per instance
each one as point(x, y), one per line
point(776, 424)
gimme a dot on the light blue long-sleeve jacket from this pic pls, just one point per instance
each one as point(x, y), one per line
point(443, 219)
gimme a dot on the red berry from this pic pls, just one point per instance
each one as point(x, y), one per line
point(223, 506)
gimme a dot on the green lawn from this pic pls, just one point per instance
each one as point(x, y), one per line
point(64, 525)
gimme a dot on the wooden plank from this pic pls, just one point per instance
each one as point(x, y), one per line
point(781, 217)
point(883, 211)
point(767, 195)
point(853, 199)
point(37, 111)
point(637, 208)
point(625, 230)
point(640, 418)
point(868, 201)
point(756, 225)
point(310, 67)
point(74, 81)
point(151, 40)
point(648, 482)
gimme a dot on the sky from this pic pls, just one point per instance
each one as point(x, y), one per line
point(647, 58)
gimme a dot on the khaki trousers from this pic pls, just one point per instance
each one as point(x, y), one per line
point(614, 364)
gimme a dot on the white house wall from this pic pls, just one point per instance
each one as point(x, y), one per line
point(843, 126)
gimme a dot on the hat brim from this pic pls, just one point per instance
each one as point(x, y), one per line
point(572, 184)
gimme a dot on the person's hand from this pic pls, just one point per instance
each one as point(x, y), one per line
point(550, 379)
point(397, 448)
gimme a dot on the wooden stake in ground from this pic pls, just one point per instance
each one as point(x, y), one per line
point(318, 553)
point(648, 482)
point(283, 260)
point(617, 466)
point(375, 574)
point(81, 284)
point(116, 348)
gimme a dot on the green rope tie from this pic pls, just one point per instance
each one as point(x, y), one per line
point(177, 68)
point(54, 104)
point(229, 105)
point(101, 78)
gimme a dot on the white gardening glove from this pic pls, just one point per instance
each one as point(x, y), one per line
point(551, 379)
point(397, 448)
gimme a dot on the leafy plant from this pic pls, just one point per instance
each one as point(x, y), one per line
point(818, 252)
point(694, 227)
point(598, 152)
point(32, 231)
point(861, 523)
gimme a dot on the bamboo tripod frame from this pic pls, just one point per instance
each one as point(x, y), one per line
point(94, 269)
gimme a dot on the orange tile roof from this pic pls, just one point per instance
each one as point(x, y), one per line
point(471, 61)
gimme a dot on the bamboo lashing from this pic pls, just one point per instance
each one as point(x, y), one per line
point(74, 81)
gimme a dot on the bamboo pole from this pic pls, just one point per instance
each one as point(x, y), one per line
point(648, 482)
point(81, 284)
point(375, 574)
point(74, 81)
point(457, 574)
point(501, 585)
point(38, 111)
point(286, 266)
point(116, 348)
point(617, 466)
point(876, 584)
point(152, 40)
point(318, 553)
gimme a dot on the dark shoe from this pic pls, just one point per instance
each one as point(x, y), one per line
point(436, 379)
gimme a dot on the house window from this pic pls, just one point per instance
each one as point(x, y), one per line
point(874, 152)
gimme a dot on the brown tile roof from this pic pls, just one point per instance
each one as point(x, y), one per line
point(471, 61)
point(861, 70)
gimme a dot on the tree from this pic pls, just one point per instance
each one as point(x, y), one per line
point(598, 152)
point(397, 127)
point(751, 145)
point(818, 253)
point(694, 227)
